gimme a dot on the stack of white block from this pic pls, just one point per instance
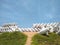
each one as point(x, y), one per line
point(40, 28)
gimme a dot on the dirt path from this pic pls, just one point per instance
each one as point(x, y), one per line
point(30, 35)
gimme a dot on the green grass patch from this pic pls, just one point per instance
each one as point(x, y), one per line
point(12, 38)
point(52, 39)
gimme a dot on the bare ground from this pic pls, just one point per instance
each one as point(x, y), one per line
point(30, 35)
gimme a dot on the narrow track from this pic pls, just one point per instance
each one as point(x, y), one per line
point(30, 35)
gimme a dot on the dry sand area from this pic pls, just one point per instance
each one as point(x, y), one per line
point(30, 35)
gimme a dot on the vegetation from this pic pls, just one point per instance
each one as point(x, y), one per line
point(52, 39)
point(12, 38)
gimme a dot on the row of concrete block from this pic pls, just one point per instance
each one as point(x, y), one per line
point(29, 29)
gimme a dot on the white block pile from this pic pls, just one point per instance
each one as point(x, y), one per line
point(49, 27)
point(10, 27)
point(40, 28)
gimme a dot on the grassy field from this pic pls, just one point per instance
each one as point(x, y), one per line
point(12, 38)
point(52, 39)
